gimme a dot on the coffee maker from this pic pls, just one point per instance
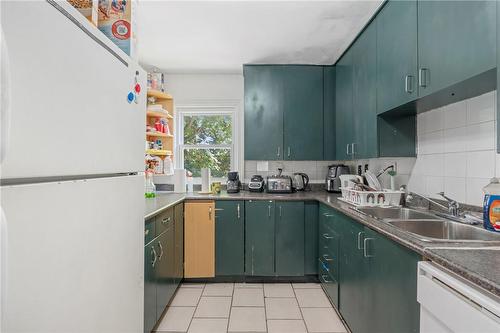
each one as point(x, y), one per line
point(233, 182)
point(332, 182)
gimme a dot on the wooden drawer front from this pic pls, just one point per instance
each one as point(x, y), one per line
point(149, 230)
point(164, 220)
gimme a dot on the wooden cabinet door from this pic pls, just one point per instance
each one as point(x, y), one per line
point(364, 63)
point(199, 239)
point(329, 113)
point(396, 54)
point(229, 238)
point(303, 112)
point(263, 112)
point(259, 237)
point(343, 107)
point(289, 238)
point(179, 242)
point(456, 41)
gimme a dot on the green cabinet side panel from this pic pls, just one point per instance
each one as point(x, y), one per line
point(393, 285)
point(289, 238)
point(303, 112)
point(456, 41)
point(149, 289)
point(498, 76)
point(343, 106)
point(311, 237)
point(397, 135)
point(396, 54)
point(364, 63)
point(259, 238)
point(263, 112)
point(229, 238)
point(179, 242)
point(328, 115)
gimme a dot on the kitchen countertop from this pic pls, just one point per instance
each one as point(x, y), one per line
point(479, 262)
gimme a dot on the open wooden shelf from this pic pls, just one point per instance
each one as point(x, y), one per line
point(158, 152)
point(158, 94)
point(159, 134)
point(158, 114)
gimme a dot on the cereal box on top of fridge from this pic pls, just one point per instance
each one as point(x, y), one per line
point(115, 20)
point(87, 8)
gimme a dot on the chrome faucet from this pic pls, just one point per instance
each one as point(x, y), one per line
point(410, 195)
point(453, 206)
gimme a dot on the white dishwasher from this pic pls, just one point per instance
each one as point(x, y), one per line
point(450, 304)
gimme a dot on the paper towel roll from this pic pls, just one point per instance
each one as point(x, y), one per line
point(205, 179)
point(179, 180)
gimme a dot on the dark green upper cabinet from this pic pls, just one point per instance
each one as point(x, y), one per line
point(328, 115)
point(364, 102)
point(229, 238)
point(290, 238)
point(303, 112)
point(259, 238)
point(396, 54)
point(264, 95)
point(343, 107)
point(456, 41)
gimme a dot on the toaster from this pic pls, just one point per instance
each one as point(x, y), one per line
point(279, 183)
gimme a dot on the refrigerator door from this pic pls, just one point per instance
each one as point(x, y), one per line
point(69, 113)
point(74, 256)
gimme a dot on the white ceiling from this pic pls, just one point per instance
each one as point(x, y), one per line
point(218, 37)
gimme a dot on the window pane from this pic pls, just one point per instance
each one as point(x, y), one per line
point(207, 130)
point(218, 160)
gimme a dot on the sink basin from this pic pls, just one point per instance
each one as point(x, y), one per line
point(395, 213)
point(445, 230)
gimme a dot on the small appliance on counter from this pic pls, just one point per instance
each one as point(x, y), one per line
point(256, 184)
point(279, 183)
point(332, 182)
point(300, 181)
point(233, 182)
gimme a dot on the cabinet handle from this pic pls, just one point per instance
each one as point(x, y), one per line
point(365, 250)
point(360, 247)
point(327, 258)
point(153, 256)
point(279, 151)
point(352, 150)
point(269, 210)
point(280, 211)
point(422, 77)
point(161, 249)
point(238, 210)
point(324, 276)
point(210, 213)
point(146, 232)
point(347, 151)
point(165, 220)
point(289, 152)
point(327, 215)
point(326, 236)
point(408, 84)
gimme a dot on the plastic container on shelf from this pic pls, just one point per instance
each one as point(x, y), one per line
point(491, 206)
point(168, 166)
point(149, 186)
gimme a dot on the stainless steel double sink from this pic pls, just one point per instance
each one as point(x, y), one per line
point(429, 227)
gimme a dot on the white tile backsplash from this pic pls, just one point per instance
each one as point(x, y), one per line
point(482, 108)
point(455, 115)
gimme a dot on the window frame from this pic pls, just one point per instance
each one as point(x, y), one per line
point(181, 111)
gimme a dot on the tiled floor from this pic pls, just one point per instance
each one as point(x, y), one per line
point(251, 307)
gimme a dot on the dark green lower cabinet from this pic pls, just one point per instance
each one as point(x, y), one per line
point(179, 242)
point(311, 237)
point(290, 238)
point(328, 254)
point(149, 287)
point(259, 238)
point(229, 238)
point(165, 268)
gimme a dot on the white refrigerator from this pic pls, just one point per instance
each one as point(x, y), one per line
point(72, 191)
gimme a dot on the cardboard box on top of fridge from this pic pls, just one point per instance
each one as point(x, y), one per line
point(116, 21)
point(87, 8)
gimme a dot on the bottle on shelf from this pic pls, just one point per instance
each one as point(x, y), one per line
point(149, 186)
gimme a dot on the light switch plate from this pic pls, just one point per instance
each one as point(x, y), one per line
point(263, 166)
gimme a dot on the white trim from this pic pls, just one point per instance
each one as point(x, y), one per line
point(211, 107)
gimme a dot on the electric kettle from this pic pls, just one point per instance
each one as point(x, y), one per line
point(300, 181)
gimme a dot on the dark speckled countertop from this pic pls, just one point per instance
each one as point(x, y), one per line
point(479, 262)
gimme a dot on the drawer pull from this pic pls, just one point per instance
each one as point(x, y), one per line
point(360, 247)
point(153, 256)
point(165, 220)
point(327, 257)
point(326, 236)
point(324, 277)
point(146, 232)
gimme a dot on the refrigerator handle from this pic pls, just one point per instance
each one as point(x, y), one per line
point(3, 260)
point(5, 111)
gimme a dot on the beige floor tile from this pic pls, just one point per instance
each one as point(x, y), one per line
point(306, 285)
point(282, 308)
point(248, 285)
point(322, 320)
point(192, 285)
point(312, 298)
point(247, 319)
point(213, 307)
point(248, 297)
point(286, 326)
point(187, 297)
point(208, 325)
point(278, 290)
point(218, 289)
point(176, 319)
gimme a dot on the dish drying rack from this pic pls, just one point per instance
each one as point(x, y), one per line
point(383, 198)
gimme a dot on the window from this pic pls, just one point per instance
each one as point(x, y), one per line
point(206, 140)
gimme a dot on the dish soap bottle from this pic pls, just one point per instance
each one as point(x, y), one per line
point(149, 186)
point(491, 206)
